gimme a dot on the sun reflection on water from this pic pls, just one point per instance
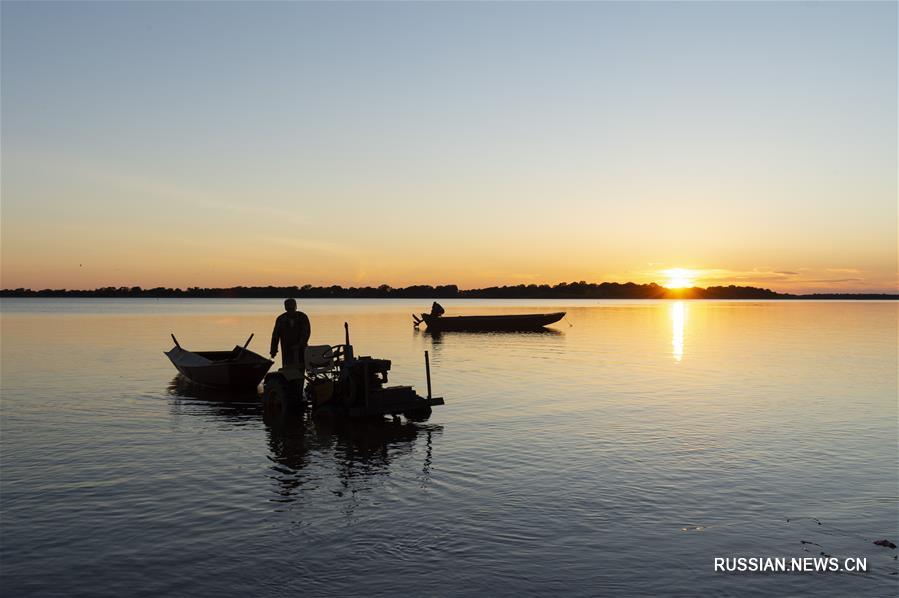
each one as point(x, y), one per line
point(678, 319)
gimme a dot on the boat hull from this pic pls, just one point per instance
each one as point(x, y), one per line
point(491, 323)
point(236, 370)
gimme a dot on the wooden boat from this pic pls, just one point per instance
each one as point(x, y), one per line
point(488, 323)
point(234, 369)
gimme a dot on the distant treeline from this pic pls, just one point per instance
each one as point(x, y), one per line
point(565, 290)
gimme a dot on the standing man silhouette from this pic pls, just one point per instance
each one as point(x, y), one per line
point(292, 329)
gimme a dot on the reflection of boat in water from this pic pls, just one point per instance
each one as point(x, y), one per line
point(514, 322)
point(182, 388)
point(235, 406)
point(474, 335)
point(236, 369)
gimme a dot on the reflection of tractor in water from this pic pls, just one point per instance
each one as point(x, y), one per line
point(339, 384)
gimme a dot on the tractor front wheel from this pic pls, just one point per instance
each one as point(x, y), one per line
point(418, 415)
point(280, 396)
point(274, 396)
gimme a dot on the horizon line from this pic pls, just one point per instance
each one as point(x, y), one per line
point(658, 290)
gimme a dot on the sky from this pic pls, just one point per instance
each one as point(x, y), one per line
point(222, 144)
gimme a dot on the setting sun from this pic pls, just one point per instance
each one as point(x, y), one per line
point(679, 278)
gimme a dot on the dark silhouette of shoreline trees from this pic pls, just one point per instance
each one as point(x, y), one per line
point(565, 290)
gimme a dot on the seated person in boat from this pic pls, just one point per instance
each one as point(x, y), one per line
point(437, 310)
point(292, 330)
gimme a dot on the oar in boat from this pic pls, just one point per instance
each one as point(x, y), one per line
point(244, 348)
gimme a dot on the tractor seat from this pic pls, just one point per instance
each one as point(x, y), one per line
point(324, 360)
point(319, 358)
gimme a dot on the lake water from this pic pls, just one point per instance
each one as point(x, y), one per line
point(617, 454)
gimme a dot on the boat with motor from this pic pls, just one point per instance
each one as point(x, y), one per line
point(436, 322)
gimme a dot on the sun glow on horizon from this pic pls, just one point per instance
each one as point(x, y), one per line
point(679, 278)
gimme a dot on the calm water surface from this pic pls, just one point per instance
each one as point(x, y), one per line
point(616, 454)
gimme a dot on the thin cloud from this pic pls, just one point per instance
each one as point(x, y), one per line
point(160, 188)
point(763, 276)
point(312, 245)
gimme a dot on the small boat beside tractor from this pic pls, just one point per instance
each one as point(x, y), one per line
point(339, 384)
point(437, 322)
point(238, 368)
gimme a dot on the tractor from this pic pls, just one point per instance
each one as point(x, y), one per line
point(336, 383)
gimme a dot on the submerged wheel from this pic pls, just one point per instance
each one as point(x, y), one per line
point(418, 415)
point(275, 396)
point(280, 396)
